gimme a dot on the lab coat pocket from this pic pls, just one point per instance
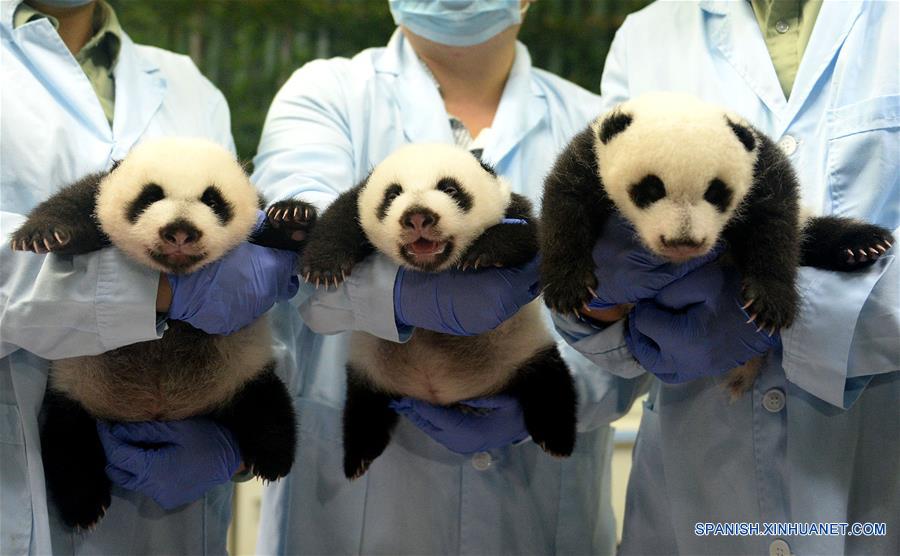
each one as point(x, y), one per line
point(863, 156)
point(15, 495)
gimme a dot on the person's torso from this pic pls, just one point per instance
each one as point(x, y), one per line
point(418, 497)
point(54, 132)
point(779, 454)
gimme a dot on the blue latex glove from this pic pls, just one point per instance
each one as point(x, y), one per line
point(627, 272)
point(463, 303)
point(695, 328)
point(172, 462)
point(494, 422)
point(230, 293)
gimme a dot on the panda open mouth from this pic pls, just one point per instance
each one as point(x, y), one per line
point(423, 247)
point(177, 262)
point(426, 254)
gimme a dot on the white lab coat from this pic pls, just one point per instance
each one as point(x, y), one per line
point(328, 126)
point(818, 438)
point(53, 132)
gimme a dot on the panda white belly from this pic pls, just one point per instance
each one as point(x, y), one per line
point(445, 369)
point(183, 374)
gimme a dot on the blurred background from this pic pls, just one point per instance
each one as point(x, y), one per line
point(248, 49)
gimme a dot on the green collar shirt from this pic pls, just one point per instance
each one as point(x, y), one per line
point(98, 57)
point(786, 26)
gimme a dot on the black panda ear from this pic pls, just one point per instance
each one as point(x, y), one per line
point(487, 167)
point(614, 124)
point(744, 134)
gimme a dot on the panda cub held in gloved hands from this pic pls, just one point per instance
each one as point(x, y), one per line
point(688, 175)
point(432, 208)
point(173, 205)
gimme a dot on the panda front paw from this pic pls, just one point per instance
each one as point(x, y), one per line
point(294, 216)
point(568, 290)
point(322, 266)
point(770, 304)
point(41, 237)
point(861, 246)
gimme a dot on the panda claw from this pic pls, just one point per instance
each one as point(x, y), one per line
point(306, 278)
point(593, 293)
point(881, 248)
point(47, 244)
point(296, 212)
point(37, 248)
point(888, 243)
point(306, 214)
point(873, 252)
point(753, 318)
point(335, 282)
point(343, 276)
point(862, 255)
point(746, 305)
point(59, 238)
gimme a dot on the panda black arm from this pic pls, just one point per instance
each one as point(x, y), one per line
point(287, 226)
point(65, 222)
point(505, 244)
point(337, 242)
point(764, 240)
point(574, 209)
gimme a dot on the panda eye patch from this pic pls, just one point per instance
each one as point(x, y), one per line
point(149, 194)
point(718, 194)
point(212, 198)
point(454, 189)
point(647, 191)
point(392, 192)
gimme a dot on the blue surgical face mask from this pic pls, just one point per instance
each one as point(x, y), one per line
point(457, 22)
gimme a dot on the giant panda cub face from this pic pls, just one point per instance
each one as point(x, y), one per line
point(425, 204)
point(676, 168)
point(176, 204)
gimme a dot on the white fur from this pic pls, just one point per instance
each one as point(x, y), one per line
point(417, 169)
point(184, 168)
point(686, 143)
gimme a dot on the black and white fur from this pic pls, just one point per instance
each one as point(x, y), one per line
point(686, 175)
point(432, 208)
point(174, 205)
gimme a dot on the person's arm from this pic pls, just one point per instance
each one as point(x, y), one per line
point(58, 307)
point(306, 153)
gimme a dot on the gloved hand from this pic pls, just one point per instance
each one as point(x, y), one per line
point(627, 272)
point(463, 303)
point(695, 327)
point(230, 293)
point(172, 462)
point(493, 422)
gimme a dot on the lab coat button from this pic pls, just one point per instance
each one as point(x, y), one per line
point(779, 548)
point(773, 400)
point(782, 26)
point(481, 461)
point(788, 145)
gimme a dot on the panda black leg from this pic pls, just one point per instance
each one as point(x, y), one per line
point(63, 223)
point(842, 244)
point(574, 210)
point(336, 244)
point(505, 245)
point(287, 225)
point(74, 462)
point(261, 417)
point(546, 391)
point(368, 424)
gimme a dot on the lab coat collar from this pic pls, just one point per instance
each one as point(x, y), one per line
point(140, 89)
point(425, 117)
point(735, 31)
point(7, 10)
point(832, 26)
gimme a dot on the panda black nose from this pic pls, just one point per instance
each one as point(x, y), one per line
point(180, 232)
point(419, 219)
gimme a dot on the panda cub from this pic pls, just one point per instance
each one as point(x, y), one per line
point(431, 208)
point(687, 175)
point(173, 205)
